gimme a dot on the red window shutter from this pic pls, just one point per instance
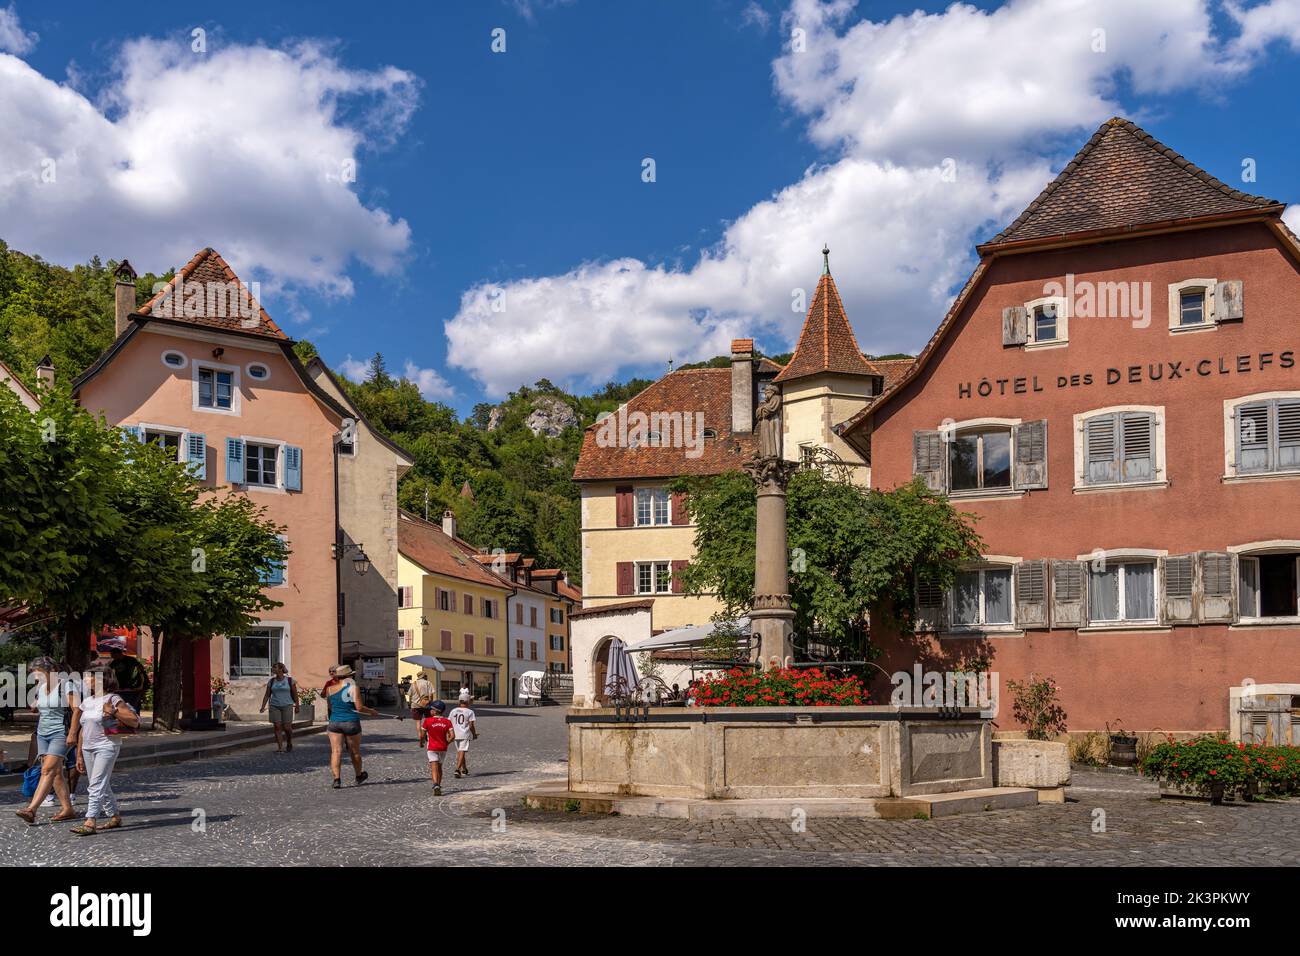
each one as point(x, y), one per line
point(469, 643)
point(490, 646)
point(624, 507)
point(446, 640)
point(532, 617)
point(678, 568)
point(469, 604)
point(679, 508)
point(626, 577)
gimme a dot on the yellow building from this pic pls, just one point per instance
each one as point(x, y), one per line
point(452, 608)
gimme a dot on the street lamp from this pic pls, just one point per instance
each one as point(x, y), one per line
point(361, 563)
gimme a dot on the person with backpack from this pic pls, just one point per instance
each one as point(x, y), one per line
point(421, 698)
point(132, 677)
point(54, 699)
point(282, 694)
point(105, 716)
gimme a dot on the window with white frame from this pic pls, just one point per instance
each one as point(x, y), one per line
point(253, 653)
point(1191, 304)
point(979, 459)
point(654, 577)
point(1122, 592)
point(1267, 586)
point(169, 440)
point(260, 464)
point(981, 597)
point(1267, 436)
point(216, 388)
point(1047, 322)
point(1119, 446)
point(653, 506)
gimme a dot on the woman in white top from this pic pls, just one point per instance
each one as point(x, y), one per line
point(103, 714)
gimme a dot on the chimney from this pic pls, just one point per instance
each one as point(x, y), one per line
point(45, 372)
point(449, 523)
point(123, 296)
point(742, 386)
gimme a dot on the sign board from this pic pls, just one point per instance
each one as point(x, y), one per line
point(372, 669)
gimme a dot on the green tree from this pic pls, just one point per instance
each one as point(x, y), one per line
point(853, 551)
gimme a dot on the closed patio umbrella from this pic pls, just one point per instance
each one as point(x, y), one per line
point(621, 678)
point(424, 660)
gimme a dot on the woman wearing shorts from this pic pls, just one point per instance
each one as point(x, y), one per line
point(281, 694)
point(55, 701)
point(345, 710)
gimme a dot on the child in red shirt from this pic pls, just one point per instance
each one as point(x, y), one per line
point(436, 731)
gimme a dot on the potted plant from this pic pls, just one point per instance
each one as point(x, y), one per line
point(1123, 746)
point(219, 688)
point(306, 698)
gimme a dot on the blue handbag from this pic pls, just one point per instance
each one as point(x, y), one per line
point(31, 778)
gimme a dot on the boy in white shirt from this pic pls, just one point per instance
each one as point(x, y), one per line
point(462, 721)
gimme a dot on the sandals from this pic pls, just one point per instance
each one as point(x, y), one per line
point(62, 815)
point(362, 777)
point(86, 829)
point(114, 822)
point(338, 784)
point(27, 815)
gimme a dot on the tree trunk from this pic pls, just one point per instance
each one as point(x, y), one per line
point(76, 643)
point(167, 682)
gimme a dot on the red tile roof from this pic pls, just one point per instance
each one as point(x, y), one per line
point(826, 343)
point(685, 391)
point(640, 605)
point(208, 269)
point(425, 543)
point(567, 590)
point(1124, 178)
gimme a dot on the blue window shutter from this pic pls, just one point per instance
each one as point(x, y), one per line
point(135, 431)
point(196, 453)
point(235, 461)
point(292, 468)
point(275, 573)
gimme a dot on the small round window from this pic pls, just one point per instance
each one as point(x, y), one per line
point(258, 371)
point(173, 359)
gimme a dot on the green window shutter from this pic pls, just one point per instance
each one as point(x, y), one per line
point(292, 468)
point(234, 461)
point(196, 455)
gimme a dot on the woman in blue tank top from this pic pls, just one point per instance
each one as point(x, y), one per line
point(345, 710)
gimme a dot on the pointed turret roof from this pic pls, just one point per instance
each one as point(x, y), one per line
point(1124, 178)
point(826, 343)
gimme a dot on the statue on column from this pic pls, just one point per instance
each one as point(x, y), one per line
point(768, 414)
point(771, 616)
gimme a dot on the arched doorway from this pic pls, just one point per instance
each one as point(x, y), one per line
point(600, 669)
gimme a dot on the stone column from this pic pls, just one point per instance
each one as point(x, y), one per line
point(772, 618)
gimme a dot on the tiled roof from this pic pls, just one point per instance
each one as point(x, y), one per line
point(640, 605)
point(685, 391)
point(425, 543)
point(567, 590)
point(1124, 178)
point(211, 271)
point(826, 343)
point(892, 370)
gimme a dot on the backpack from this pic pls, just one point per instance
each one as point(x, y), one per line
point(424, 700)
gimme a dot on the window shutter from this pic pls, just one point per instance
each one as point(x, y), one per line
point(1100, 450)
point(1015, 325)
point(196, 454)
point(234, 461)
point(928, 458)
point(292, 468)
point(624, 507)
point(1180, 589)
point(1229, 301)
point(469, 604)
point(679, 508)
point(1067, 594)
point(1031, 454)
point(1216, 581)
point(929, 604)
point(1138, 438)
point(1288, 434)
point(1253, 440)
point(626, 573)
point(678, 568)
point(1031, 594)
point(444, 638)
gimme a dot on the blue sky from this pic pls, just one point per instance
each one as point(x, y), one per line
point(499, 228)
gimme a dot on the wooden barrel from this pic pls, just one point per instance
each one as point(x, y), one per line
point(1123, 751)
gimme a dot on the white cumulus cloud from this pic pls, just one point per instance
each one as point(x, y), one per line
point(258, 152)
point(13, 38)
point(1000, 97)
point(432, 385)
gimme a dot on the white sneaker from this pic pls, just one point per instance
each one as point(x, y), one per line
point(48, 801)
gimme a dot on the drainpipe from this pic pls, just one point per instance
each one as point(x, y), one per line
point(338, 557)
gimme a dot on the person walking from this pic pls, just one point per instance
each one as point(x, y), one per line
point(421, 698)
point(345, 710)
point(282, 694)
point(54, 702)
point(104, 716)
point(132, 678)
point(436, 732)
point(462, 719)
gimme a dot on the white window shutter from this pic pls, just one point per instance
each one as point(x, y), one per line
point(1030, 439)
point(1068, 594)
point(1229, 301)
point(1031, 594)
point(1180, 589)
point(1015, 325)
point(929, 458)
point(1215, 587)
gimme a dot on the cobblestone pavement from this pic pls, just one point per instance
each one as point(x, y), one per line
point(260, 807)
